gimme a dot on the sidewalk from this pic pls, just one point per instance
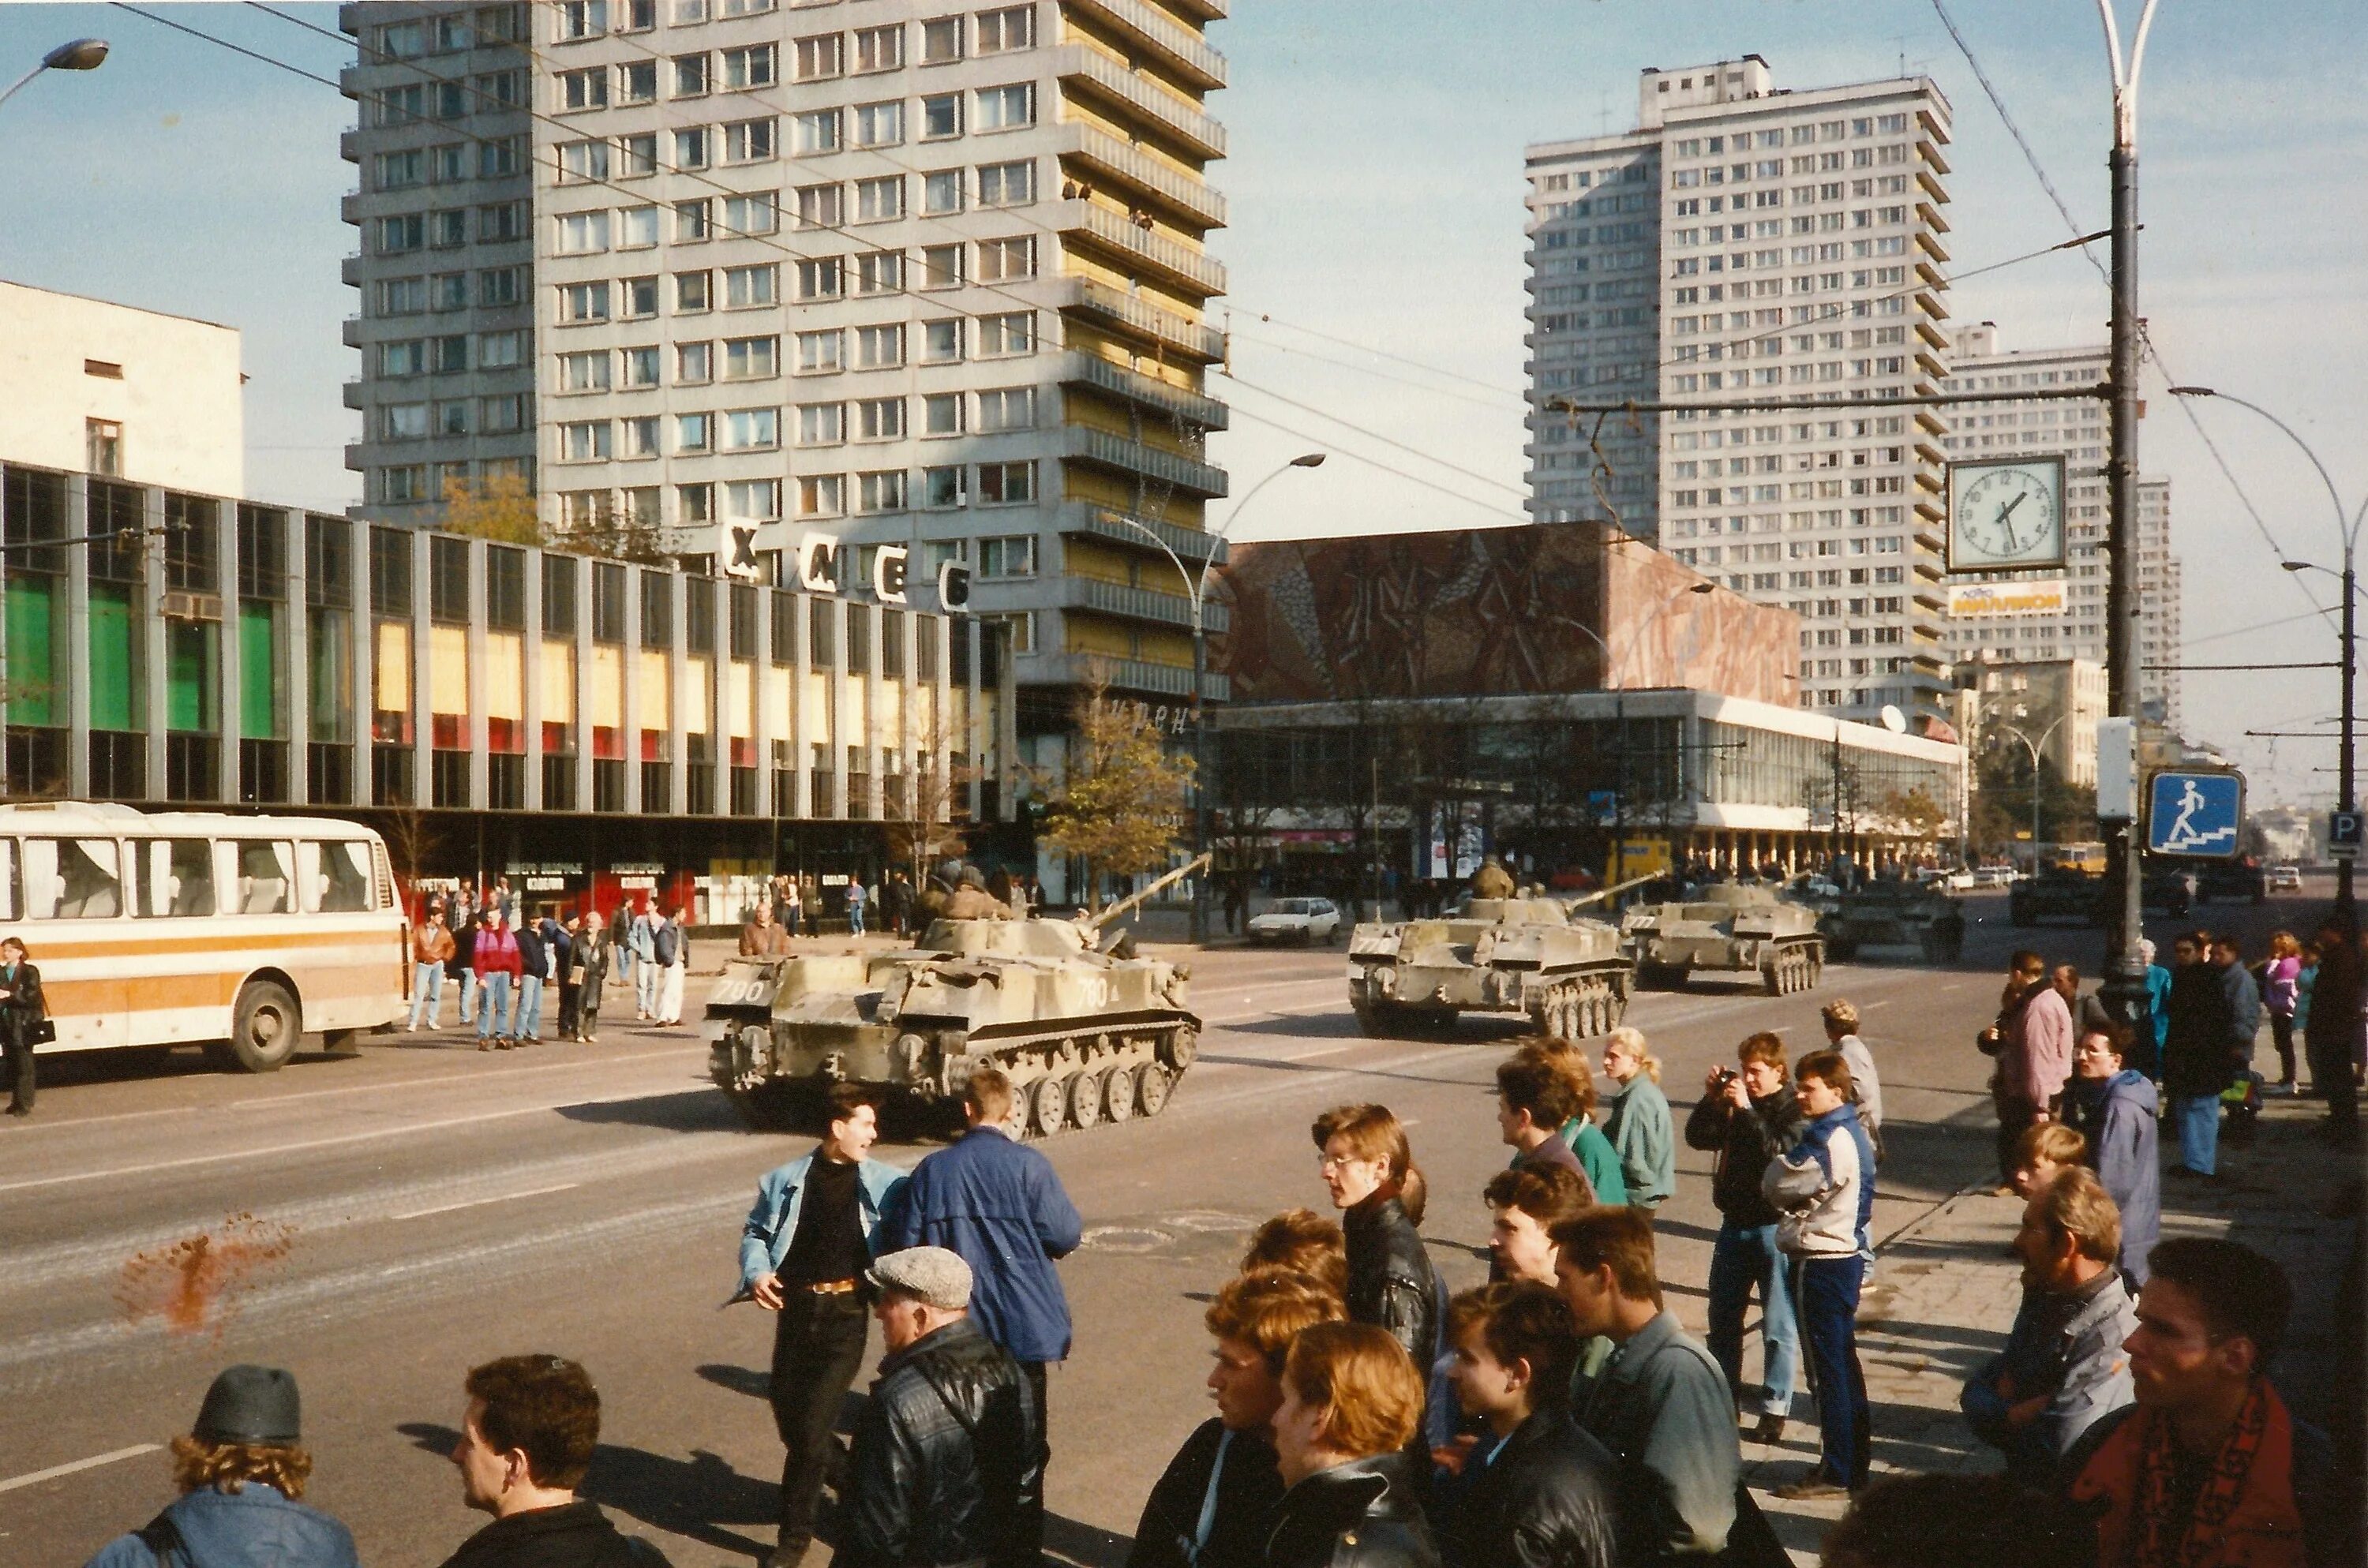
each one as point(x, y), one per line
point(1945, 1291)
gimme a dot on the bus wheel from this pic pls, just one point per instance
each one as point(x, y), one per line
point(265, 1028)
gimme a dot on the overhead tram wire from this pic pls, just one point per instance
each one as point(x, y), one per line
point(1273, 320)
point(1501, 399)
point(1354, 456)
point(1373, 434)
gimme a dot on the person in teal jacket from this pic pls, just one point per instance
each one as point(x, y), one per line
point(2158, 981)
point(1638, 1124)
point(1597, 1158)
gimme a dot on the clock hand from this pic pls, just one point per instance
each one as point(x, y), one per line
point(2007, 510)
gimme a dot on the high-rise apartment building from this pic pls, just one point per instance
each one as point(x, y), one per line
point(1745, 242)
point(2018, 620)
point(896, 273)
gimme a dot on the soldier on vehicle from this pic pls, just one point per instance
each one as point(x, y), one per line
point(1491, 881)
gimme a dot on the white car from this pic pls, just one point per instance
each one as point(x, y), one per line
point(1303, 920)
point(2285, 879)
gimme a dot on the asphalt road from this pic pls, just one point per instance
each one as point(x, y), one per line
point(384, 1220)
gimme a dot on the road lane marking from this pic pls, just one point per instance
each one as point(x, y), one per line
point(481, 1202)
point(93, 1462)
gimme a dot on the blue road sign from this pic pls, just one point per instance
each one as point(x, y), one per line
point(2195, 814)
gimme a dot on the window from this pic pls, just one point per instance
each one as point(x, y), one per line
point(880, 272)
point(402, 297)
point(942, 117)
point(880, 419)
point(752, 429)
point(941, 342)
point(1011, 556)
point(879, 201)
point(1007, 108)
point(500, 350)
point(941, 41)
point(637, 82)
point(1006, 408)
point(691, 222)
point(755, 66)
point(637, 155)
point(691, 75)
point(1007, 335)
point(815, 131)
point(1006, 185)
point(407, 232)
point(448, 230)
point(941, 266)
point(173, 877)
point(580, 233)
point(640, 436)
point(409, 357)
point(758, 214)
point(694, 363)
point(746, 287)
point(880, 492)
point(821, 56)
point(822, 495)
point(582, 161)
point(820, 353)
point(750, 359)
point(584, 302)
point(1003, 31)
point(753, 498)
point(582, 89)
point(693, 433)
point(638, 296)
point(941, 413)
point(692, 293)
point(1000, 261)
point(692, 148)
point(879, 348)
point(942, 192)
point(749, 140)
point(583, 442)
point(74, 878)
point(404, 421)
point(396, 170)
point(879, 125)
point(819, 206)
point(1004, 484)
point(879, 49)
point(820, 423)
point(637, 228)
point(582, 18)
point(941, 487)
point(821, 278)
point(641, 367)
point(584, 372)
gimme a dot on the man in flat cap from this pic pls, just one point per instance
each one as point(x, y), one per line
point(946, 1468)
point(240, 1472)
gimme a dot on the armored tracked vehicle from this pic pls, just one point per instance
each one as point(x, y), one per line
point(1726, 927)
point(1087, 1031)
point(1494, 955)
point(1889, 912)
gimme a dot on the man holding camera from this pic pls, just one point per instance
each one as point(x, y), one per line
point(1746, 1115)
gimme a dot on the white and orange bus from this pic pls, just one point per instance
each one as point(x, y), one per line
point(235, 933)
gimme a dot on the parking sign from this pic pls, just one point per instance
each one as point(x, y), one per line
point(2343, 836)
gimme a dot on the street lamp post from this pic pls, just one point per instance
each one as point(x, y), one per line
point(2347, 531)
point(2044, 736)
point(1197, 591)
point(82, 54)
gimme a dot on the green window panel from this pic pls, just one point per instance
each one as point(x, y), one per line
point(115, 695)
point(192, 689)
point(33, 628)
point(258, 672)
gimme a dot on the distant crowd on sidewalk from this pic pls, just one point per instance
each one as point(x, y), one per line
point(505, 965)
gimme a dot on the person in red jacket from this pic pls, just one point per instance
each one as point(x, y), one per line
point(495, 960)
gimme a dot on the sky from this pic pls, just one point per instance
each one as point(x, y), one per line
point(1376, 249)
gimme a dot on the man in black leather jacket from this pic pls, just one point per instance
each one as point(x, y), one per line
point(1351, 1401)
point(1548, 1496)
point(945, 1469)
point(1365, 1162)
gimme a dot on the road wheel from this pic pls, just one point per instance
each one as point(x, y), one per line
point(1152, 1085)
point(1179, 1049)
point(1082, 1091)
point(1015, 1118)
point(1116, 1087)
point(1338, 933)
point(265, 1028)
point(1772, 977)
point(1048, 1104)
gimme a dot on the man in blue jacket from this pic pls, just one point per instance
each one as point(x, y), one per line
point(1000, 1206)
point(803, 1253)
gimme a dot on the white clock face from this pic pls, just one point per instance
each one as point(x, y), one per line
point(2007, 515)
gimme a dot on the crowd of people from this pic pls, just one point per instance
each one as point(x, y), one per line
point(505, 965)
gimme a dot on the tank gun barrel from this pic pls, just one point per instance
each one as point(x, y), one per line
point(1135, 900)
point(1616, 889)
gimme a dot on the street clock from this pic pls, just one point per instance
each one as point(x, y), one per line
point(2006, 515)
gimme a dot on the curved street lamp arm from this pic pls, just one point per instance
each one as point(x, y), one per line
point(2350, 529)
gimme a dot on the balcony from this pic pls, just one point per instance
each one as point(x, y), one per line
point(1130, 603)
point(1114, 526)
point(1930, 213)
point(1081, 443)
point(1930, 242)
point(349, 146)
point(349, 271)
point(1177, 267)
point(1928, 148)
point(1107, 159)
point(1203, 137)
point(1120, 675)
point(352, 334)
point(1128, 313)
point(1207, 10)
point(1179, 49)
point(353, 393)
point(1146, 392)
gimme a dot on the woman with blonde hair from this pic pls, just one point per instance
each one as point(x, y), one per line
point(2280, 990)
point(1639, 1119)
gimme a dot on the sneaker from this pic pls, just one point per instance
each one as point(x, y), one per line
point(1809, 1489)
point(1770, 1430)
point(484, 1045)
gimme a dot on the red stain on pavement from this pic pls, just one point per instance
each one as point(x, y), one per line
point(194, 1284)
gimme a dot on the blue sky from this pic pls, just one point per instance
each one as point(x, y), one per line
point(1376, 193)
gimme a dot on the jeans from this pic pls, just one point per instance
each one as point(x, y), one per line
point(645, 986)
point(571, 1020)
point(493, 1005)
point(2281, 1031)
point(669, 1003)
point(469, 989)
point(855, 919)
point(2198, 1131)
point(1826, 1289)
point(817, 1350)
point(529, 1008)
point(1745, 1255)
point(427, 994)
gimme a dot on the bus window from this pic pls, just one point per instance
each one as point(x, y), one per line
point(10, 908)
point(173, 875)
point(72, 879)
point(336, 877)
point(267, 877)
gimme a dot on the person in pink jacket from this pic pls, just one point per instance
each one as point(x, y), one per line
point(2032, 1041)
point(495, 960)
point(2280, 992)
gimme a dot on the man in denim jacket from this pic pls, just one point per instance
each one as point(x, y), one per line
point(815, 1231)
